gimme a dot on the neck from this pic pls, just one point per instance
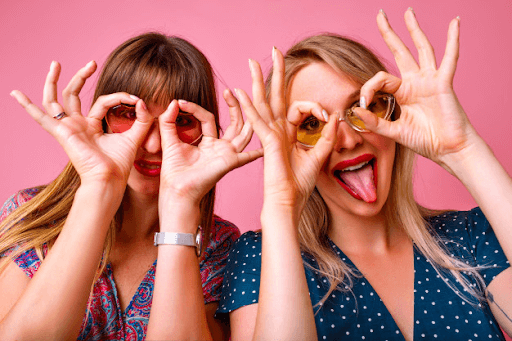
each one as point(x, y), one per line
point(140, 216)
point(357, 235)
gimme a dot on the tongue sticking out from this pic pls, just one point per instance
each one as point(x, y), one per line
point(361, 182)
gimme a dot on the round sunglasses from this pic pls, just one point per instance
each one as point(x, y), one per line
point(121, 117)
point(310, 130)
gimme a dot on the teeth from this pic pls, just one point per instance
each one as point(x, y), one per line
point(151, 166)
point(352, 168)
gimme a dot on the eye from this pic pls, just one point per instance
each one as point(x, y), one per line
point(183, 120)
point(310, 124)
point(123, 111)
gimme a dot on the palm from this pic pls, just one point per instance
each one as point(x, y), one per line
point(432, 122)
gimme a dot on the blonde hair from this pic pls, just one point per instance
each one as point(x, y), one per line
point(154, 67)
point(357, 62)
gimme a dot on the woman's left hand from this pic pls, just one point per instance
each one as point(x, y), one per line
point(432, 121)
point(188, 171)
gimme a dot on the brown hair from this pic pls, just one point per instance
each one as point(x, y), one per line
point(154, 67)
point(357, 62)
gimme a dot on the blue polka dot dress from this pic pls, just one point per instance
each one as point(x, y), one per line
point(439, 313)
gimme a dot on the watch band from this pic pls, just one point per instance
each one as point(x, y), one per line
point(175, 238)
point(171, 238)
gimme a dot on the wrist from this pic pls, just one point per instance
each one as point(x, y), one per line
point(470, 154)
point(178, 216)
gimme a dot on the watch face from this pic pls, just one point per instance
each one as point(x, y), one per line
point(199, 241)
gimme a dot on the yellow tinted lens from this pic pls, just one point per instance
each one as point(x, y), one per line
point(382, 105)
point(310, 131)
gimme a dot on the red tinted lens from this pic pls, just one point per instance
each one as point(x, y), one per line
point(189, 128)
point(121, 117)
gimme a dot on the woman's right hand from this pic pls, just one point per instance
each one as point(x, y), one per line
point(95, 155)
point(290, 170)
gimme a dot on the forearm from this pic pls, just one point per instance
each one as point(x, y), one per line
point(178, 310)
point(284, 306)
point(489, 184)
point(55, 299)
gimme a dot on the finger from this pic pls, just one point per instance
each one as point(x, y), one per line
point(246, 157)
point(235, 114)
point(259, 97)
point(451, 54)
point(382, 81)
point(50, 102)
point(326, 143)
point(142, 124)
point(167, 125)
point(426, 54)
point(45, 120)
point(258, 123)
point(277, 98)
point(378, 125)
point(403, 57)
point(105, 102)
point(242, 140)
point(208, 126)
point(300, 110)
point(70, 94)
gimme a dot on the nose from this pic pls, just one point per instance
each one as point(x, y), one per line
point(347, 137)
point(153, 143)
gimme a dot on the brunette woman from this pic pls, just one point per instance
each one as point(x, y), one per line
point(78, 255)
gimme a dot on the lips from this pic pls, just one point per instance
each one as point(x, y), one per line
point(358, 177)
point(148, 168)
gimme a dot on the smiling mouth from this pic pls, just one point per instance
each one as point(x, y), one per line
point(359, 180)
point(148, 168)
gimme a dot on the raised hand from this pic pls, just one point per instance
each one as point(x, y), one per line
point(95, 155)
point(432, 121)
point(290, 171)
point(190, 171)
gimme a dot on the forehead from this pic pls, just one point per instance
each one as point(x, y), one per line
point(319, 82)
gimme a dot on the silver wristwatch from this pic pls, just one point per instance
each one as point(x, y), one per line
point(187, 239)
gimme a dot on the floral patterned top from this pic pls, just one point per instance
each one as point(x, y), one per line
point(104, 319)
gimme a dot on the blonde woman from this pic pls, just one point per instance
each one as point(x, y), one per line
point(79, 256)
point(345, 252)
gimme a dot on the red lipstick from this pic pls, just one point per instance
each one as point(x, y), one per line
point(355, 187)
point(148, 168)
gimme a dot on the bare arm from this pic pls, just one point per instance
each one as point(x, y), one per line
point(284, 310)
point(188, 173)
point(54, 300)
point(434, 124)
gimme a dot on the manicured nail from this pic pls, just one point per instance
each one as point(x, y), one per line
point(134, 97)
point(237, 92)
point(410, 9)
point(12, 93)
point(362, 102)
point(383, 13)
point(90, 63)
point(458, 20)
point(326, 116)
point(182, 101)
point(273, 53)
point(339, 116)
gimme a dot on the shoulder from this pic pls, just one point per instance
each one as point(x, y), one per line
point(223, 230)
point(16, 200)
point(248, 247)
point(460, 224)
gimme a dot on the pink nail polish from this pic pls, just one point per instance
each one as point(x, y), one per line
point(182, 101)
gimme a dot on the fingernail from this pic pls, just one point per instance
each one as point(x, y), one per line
point(326, 116)
point(237, 92)
point(458, 19)
point(144, 106)
point(273, 53)
point(383, 13)
point(250, 64)
point(134, 97)
point(339, 116)
point(182, 101)
point(410, 9)
point(362, 102)
point(12, 93)
point(90, 63)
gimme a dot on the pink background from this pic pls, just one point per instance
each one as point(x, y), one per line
point(229, 32)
